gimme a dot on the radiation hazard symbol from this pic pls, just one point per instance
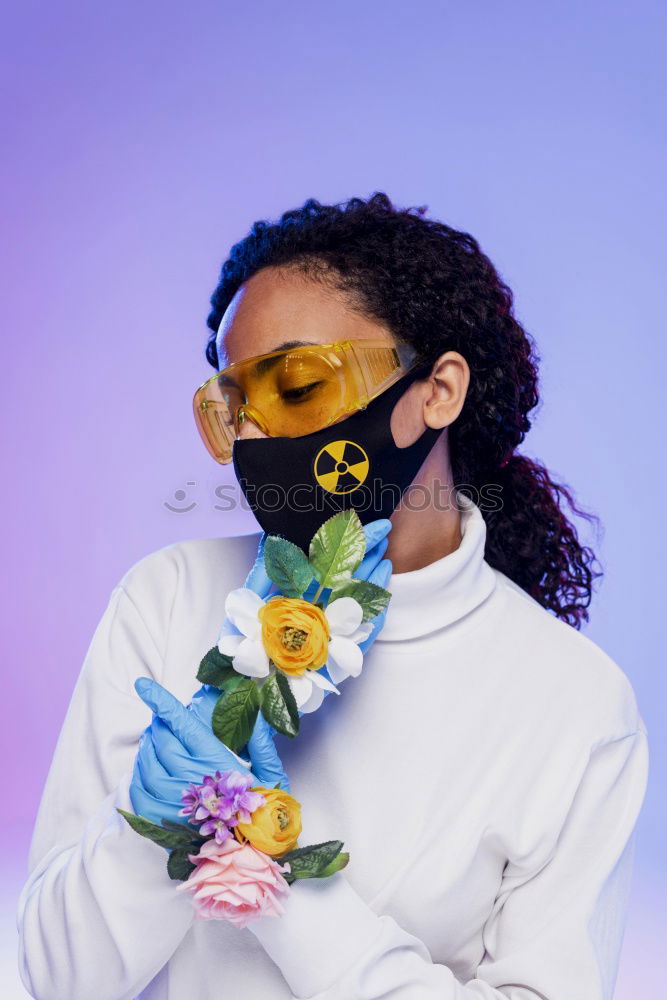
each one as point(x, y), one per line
point(341, 466)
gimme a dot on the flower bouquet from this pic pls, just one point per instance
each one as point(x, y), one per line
point(237, 853)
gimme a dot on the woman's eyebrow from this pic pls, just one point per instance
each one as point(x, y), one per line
point(294, 343)
point(267, 363)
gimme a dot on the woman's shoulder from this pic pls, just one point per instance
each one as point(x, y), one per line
point(186, 582)
point(201, 561)
point(576, 674)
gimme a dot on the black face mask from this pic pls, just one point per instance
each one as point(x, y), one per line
point(293, 485)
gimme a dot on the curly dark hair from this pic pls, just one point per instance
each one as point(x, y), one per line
point(434, 288)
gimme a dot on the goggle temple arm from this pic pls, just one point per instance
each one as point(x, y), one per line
point(409, 358)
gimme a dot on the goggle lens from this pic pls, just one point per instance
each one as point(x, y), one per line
point(291, 393)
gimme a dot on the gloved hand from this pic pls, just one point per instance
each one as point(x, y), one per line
point(372, 568)
point(178, 748)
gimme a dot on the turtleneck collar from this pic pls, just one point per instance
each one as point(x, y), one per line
point(427, 599)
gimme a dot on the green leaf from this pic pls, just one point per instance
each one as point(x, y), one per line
point(330, 847)
point(232, 683)
point(279, 706)
point(373, 599)
point(158, 834)
point(337, 548)
point(286, 564)
point(187, 831)
point(311, 861)
point(338, 862)
point(234, 714)
point(288, 698)
point(216, 669)
point(179, 865)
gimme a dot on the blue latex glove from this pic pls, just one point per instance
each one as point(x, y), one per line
point(178, 748)
point(372, 568)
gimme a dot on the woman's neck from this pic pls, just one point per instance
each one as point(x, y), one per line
point(426, 525)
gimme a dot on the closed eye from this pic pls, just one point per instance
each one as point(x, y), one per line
point(297, 393)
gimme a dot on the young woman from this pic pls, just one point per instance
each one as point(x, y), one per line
point(486, 767)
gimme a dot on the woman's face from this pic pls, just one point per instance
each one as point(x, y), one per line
point(279, 308)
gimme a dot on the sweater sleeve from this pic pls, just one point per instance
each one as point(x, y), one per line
point(555, 932)
point(96, 890)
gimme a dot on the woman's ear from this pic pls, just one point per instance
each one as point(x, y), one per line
point(447, 386)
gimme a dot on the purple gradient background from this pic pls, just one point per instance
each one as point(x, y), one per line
point(142, 140)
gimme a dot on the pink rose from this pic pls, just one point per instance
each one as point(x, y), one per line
point(235, 882)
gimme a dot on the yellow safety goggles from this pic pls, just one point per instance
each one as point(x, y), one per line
point(295, 391)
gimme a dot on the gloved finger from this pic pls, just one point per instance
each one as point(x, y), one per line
point(375, 531)
point(174, 758)
point(382, 573)
point(257, 579)
point(180, 762)
point(153, 807)
point(189, 730)
point(164, 787)
point(371, 560)
point(198, 739)
point(266, 763)
point(148, 767)
point(203, 702)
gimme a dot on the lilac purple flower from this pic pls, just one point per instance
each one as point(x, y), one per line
point(221, 802)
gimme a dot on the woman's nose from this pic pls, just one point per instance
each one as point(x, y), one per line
point(248, 428)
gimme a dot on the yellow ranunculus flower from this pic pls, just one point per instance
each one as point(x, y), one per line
point(275, 826)
point(295, 634)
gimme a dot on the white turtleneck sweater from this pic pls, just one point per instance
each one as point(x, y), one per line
point(485, 772)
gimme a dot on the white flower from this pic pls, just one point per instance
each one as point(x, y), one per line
point(241, 610)
point(344, 658)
